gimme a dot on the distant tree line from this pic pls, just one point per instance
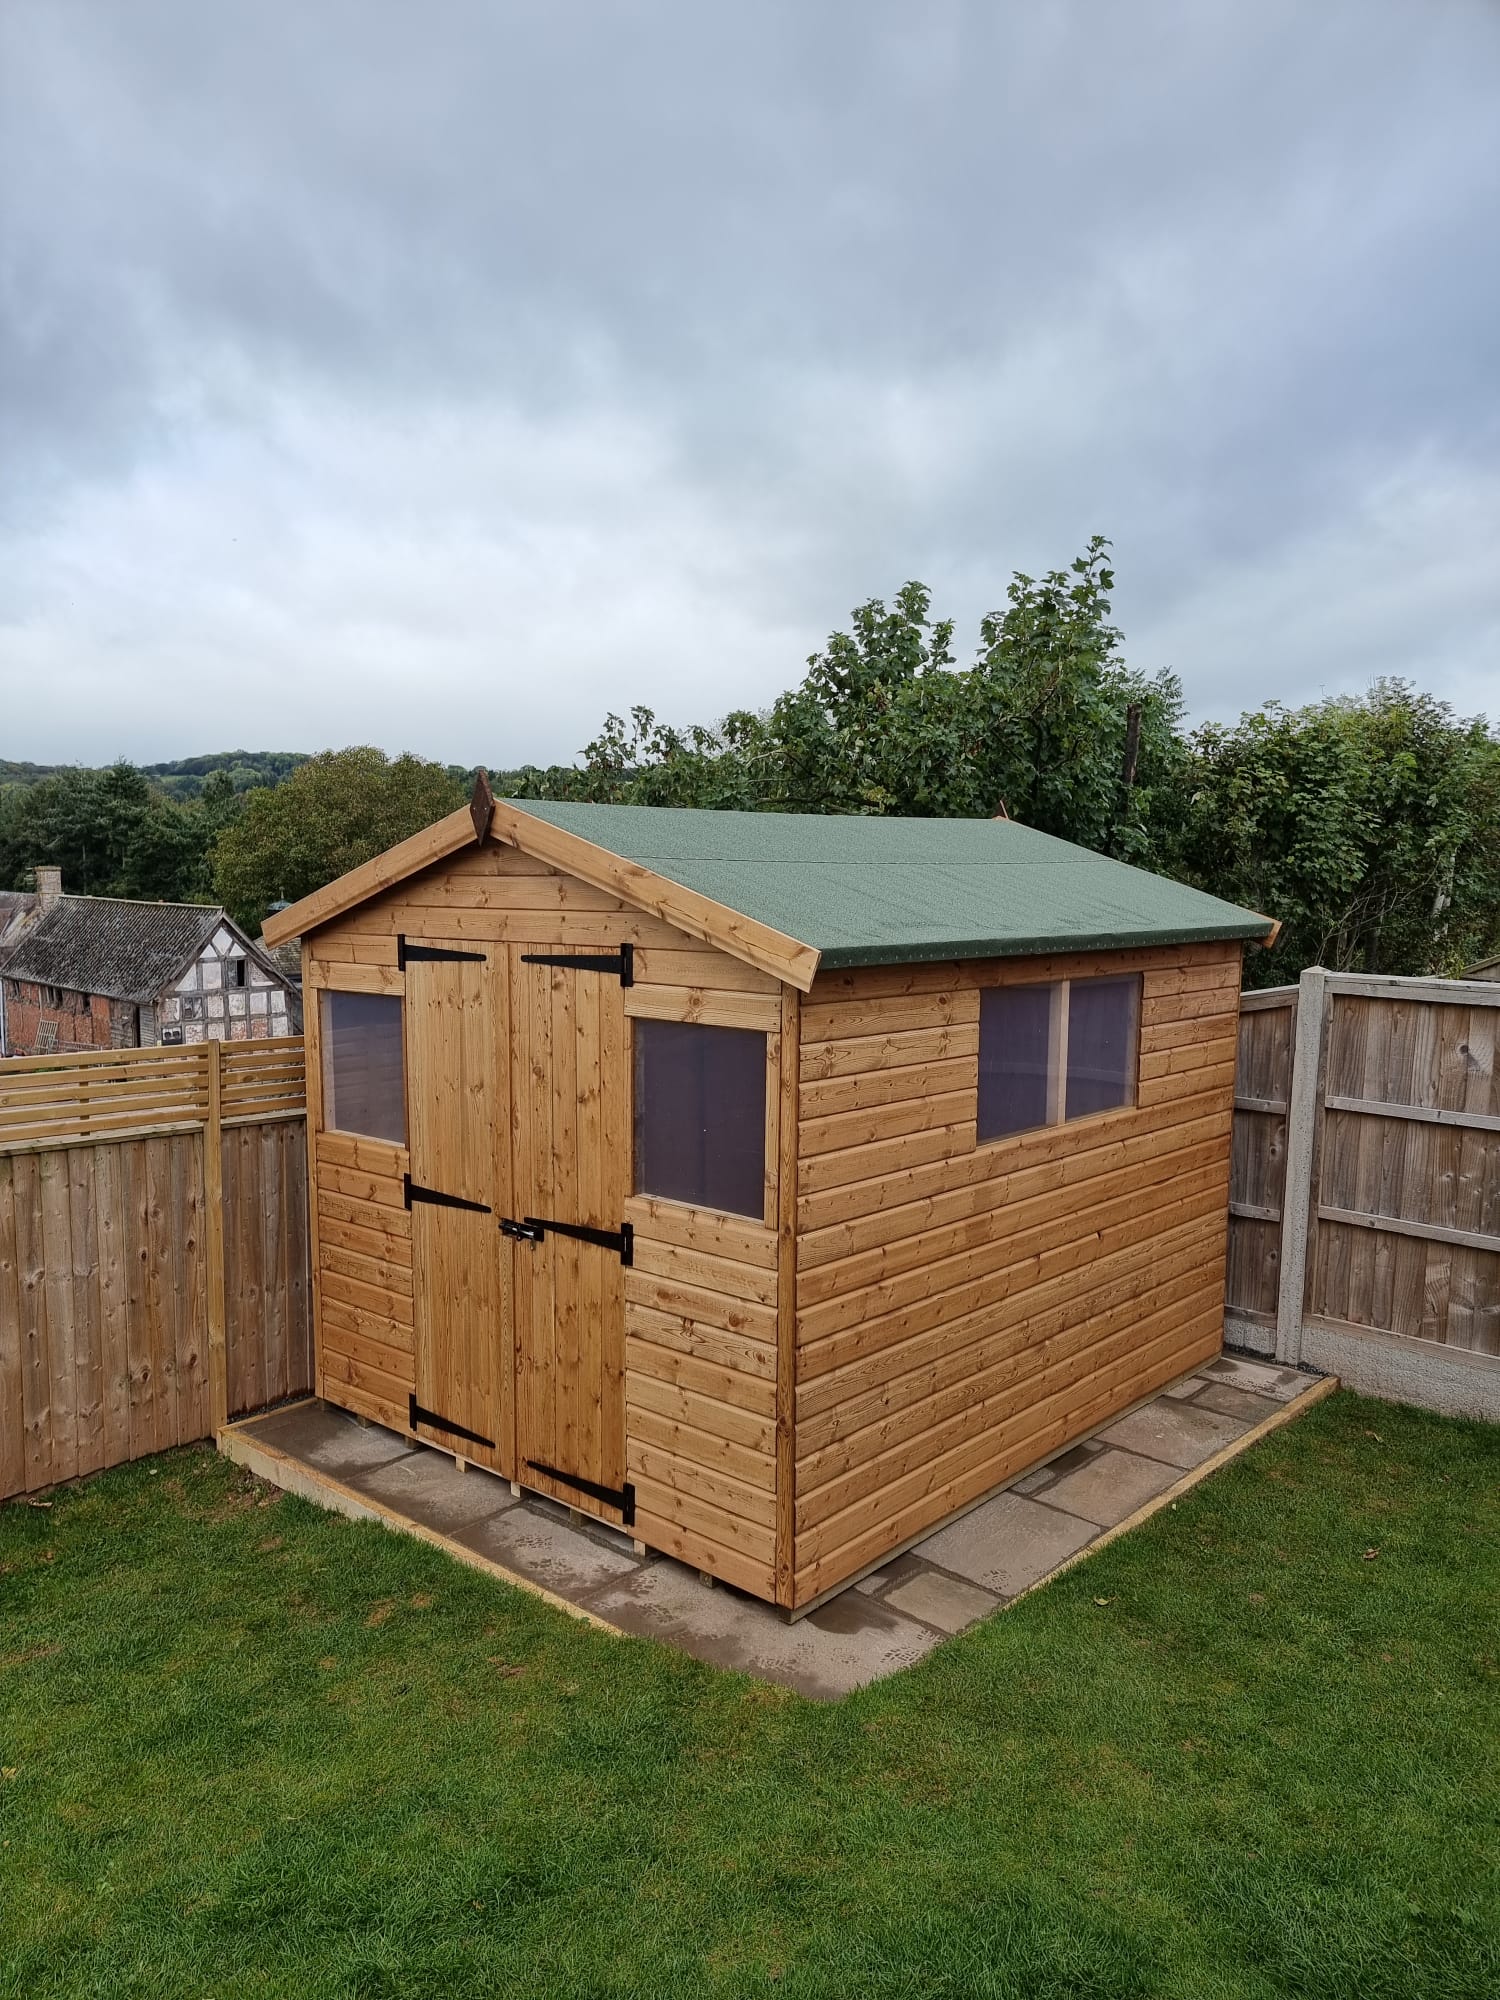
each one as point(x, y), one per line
point(1369, 825)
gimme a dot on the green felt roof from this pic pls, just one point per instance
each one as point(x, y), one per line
point(874, 891)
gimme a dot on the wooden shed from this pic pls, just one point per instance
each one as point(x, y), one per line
point(773, 1187)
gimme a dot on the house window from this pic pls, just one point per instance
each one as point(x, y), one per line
point(700, 1115)
point(239, 971)
point(54, 996)
point(1061, 1051)
point(363, 1083)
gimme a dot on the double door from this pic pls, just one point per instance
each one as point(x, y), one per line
point(518, 1130)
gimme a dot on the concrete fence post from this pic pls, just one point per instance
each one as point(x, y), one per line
point(1301, 1138)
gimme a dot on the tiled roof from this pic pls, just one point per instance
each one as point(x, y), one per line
point(98, 944)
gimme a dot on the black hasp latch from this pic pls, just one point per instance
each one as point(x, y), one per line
point(417, 1415)
point(406, 954)
point(437, 1199)
point(622, 1497)
point(621, 961)
point(534, 1228)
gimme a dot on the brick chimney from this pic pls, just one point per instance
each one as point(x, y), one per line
point(48, 889)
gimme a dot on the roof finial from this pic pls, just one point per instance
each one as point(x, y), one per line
point(481, 805)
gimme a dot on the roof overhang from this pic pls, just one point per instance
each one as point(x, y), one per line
point(770, 951)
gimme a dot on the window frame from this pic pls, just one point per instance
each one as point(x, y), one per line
point(327, 1093)
point(1057, 1053)
point(640, 1008)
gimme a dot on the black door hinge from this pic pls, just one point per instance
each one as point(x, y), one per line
point(417, 1415)
point(622, 1497)
point(437, 1199)
point(533, 1228)
point(406, 953)
point(621, 961)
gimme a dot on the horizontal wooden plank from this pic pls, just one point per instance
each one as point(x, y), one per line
point(873, 1164)
point(872, 1461)
point(731, 1280)
point(735, 1497)
point(726, 1528)
point(858, 1019)
point(732, 1566)
point(392, 1301)
point(1422, 1114)
point(858, 1285)
point(337, 946)
point(354, 978)
point(706, 1229)
point(867, 1088)
point(369, 1215)
point(705, 1377)
point(362, 1155)
point(905, 1184)
point(705, 1414)
point(657, 965)
point(379, 1190)
point(709, 1343)
point(851, 1543)
point(563, 930)
point(1215, 961)
point(842, 1130)
point(670, 1433)
point(1052, 1281)
point(343, 1323)
point(861, 1055)
point(382, 1245)
point(705, 1005)
point(1400, 1225)
point(732, 1315)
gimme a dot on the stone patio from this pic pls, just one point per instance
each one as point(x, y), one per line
point(959, 1574)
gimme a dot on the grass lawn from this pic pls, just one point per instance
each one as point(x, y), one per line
point(1254, 1748)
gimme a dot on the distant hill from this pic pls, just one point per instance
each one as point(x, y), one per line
point(183, 777)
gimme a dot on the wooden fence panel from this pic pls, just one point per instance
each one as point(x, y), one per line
point(1399, 1203)
point(107, 1250)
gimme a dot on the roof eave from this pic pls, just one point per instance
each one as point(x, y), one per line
point(846, 957)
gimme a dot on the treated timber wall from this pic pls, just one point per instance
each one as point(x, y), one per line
point(1365, 1209)
point(153, 1250)
point(965, 1310)
point(701, 1323)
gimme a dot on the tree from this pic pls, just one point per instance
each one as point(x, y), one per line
point(1369, 825)
point(111, 832)
point(334, 811)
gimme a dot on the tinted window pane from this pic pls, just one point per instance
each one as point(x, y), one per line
point(700, 1115)
point(363, 1088)
point(1015, 1051)
point(1102, 1016)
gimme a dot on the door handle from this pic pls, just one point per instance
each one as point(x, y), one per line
point(523, 1232)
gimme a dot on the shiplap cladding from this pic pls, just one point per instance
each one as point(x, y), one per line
point(700, 1303)
point(965, 1310)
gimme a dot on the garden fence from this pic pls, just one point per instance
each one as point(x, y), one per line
point(154, 1272)
point(1364, 1233)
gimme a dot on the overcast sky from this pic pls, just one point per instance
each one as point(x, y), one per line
point(442, 375)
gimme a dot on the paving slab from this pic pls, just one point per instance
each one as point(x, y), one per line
point(1188, 1388)
point(553, 1553)
point(1231, 1401)
point(1262, 1378)
point(941, 1600)
point(1182, 1434)
point(841, 1646)
point(428, 1487)
point(1110, 1487)
point(1008, 1543)
point(331, 1440)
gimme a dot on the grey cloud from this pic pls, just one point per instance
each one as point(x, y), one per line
point(779, 304)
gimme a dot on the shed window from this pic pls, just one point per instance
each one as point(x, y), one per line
point(1102, 1037)
point(1064, 1050)
point(700, 1115)
point(363, 1088)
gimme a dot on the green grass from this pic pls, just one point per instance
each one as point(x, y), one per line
point(253, 1749)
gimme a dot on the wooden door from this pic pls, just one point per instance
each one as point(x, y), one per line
point(455, 1115)
point(570, 1165)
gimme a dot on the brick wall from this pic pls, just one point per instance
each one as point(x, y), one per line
point(43, 1020)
